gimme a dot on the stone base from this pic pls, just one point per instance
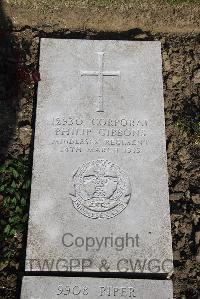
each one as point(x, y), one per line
point(51, 287)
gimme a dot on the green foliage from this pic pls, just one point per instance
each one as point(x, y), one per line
point(191, 126)
point(14, 194)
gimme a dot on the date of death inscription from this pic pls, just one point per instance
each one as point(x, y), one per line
point(103, 135)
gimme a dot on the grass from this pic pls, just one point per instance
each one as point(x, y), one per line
point(95, 3)
point(182, 1)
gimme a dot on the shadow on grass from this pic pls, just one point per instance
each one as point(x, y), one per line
point(8, 84)
point(9, 87)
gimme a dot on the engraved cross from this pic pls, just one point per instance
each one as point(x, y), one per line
point(100, 74)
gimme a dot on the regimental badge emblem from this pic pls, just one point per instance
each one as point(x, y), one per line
point(100, 189)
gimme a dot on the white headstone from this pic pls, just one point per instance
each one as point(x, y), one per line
point(41, 287)
point(99, 199)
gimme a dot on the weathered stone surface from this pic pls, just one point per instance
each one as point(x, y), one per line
point(99, 198)
point(42, 287)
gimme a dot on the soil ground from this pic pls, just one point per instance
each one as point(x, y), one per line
point(105, 15)
point(24, 22)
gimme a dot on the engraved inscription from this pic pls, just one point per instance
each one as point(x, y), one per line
point(74, 290)
point(104, 291)
point(103, 135)
point(100, 74)
point(101, 189)
point(125, 292)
